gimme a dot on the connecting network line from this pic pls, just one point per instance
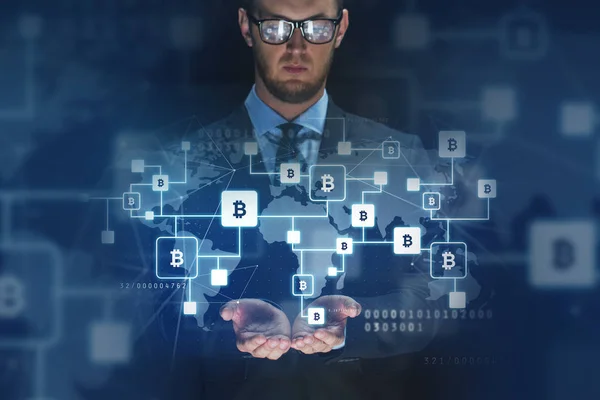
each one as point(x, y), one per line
point(236, 211)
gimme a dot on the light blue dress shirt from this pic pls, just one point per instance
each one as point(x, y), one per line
point(265, 121)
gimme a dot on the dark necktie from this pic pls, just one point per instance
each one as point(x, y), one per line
point(288, 147)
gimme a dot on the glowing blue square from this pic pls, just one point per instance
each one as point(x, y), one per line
point(390, 150)
point(344, 148)
point(110, 342)
point(577, 119)
point(189, 308)
point(108, 237)
point(137, 166)
point(431, 201)
point(458, 300)
point(327, 183)
point(176, 257)
point(132, 201)
point(303, 281)
point(448, 260)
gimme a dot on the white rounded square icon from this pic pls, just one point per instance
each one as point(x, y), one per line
point(363, 215)
point(289, 173)
point(344, 148)
point(316, 316)
point(250, 148)
point(486, 188)
point(407, 240)
point(452, 144)
point(343, 246)
point(160, 183)
point(218, 277)
point(239, 208)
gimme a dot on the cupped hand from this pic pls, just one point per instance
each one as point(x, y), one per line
point(311, 339)
point(261, 329)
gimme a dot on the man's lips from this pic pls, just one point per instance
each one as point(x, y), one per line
point(295, 69)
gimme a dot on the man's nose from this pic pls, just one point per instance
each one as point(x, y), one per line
point(297, 42)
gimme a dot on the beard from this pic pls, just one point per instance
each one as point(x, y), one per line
point(290, 92)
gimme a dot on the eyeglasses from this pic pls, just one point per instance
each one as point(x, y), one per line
point(279, 31)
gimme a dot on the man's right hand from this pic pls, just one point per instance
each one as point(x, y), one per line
point(261, 329)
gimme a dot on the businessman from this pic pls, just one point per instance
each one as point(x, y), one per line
point(292, 118)
point(293, 43)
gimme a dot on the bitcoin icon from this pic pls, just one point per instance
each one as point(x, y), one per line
point(302, 285)
point(363, 216)
point(391, 150)
point(176, 258)
point(487, 188)
point(12, 301)
point(160, 183)
point(328, 183)
point(564, 255)
point(344, 246)
point(432, 201)
point(407, 240)
point(316, 316)
point(449, 262)
point(290, 173)
point(239, 209)
point(452, 145)
point(131, 201)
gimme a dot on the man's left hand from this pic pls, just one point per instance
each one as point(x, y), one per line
point(311, 339)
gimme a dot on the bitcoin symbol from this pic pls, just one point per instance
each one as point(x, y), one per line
point(328, 185)
point(391, 150)
point(563, 254)
point(316, 316)
point(290, 173)
point(131, 201)
point(407, 240)
point(11, 297)
point(363, 216)
point(176, 258)
point(303, 285)
point(432, 201)
point(449, 262)
point(452, 145)
point(239, 209)
point(344, 246)
point(487, 188)
point(161, 183)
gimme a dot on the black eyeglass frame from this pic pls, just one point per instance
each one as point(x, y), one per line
point(297, 25)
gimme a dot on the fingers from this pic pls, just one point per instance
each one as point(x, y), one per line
point(328, 338)
point(261, 347)
point(278, 347)
point(351, 308)
point(310, 344)
point(228, 310)
point(250, 345)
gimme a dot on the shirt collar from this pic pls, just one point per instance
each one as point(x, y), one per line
point(265, 119)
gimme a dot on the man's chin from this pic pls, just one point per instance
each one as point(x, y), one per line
point(295, 91)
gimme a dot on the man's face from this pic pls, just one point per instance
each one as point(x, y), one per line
point(293, 72)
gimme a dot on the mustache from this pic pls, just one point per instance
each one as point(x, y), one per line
point(295, 60)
